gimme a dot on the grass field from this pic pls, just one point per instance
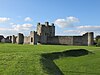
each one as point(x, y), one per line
point(48, 60)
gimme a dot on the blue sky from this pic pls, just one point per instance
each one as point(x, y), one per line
point(71, 17)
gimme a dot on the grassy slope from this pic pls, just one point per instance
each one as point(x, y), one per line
point(25, 60)
point(83, 65)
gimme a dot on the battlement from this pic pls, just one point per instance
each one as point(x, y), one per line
point(45, 29)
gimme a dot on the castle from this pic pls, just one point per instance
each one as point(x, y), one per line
point(45, 34)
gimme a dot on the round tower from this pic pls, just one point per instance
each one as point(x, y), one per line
point(90, 38)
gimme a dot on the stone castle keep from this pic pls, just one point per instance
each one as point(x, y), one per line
point(45, 34)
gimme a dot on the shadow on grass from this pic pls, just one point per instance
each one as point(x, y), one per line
point(51, 67)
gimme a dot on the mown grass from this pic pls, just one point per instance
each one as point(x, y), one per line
point(26, 60)
point(83, 65)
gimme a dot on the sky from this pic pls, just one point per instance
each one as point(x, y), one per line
point(71, 17)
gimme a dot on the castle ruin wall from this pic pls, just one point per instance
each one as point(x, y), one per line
point(20, 38)
point(26, 39)
point(77, 40)
point(13, 39)
point(45, 34)
point(64, 40)
point(33, 38)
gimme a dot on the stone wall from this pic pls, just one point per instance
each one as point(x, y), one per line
point(64, 40)
point(77, 40)
point(26, 39)
point(86, 39)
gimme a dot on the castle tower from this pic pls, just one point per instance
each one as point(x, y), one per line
point(90, 38)
point(53, 30)
point(44, 31)
point(33, 38)
point(46, 23)
point(9, 38)
point(20, 38)
point(39, 27)
point(13, 39)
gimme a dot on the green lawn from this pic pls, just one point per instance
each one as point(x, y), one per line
point(29, 60)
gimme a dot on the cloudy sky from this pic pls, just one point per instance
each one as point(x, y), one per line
point(71, 17)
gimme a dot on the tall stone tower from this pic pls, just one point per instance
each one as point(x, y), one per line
point(33, 38)
point(20, 38)
point(90, 38)
point(44, 31)
point(13, 39)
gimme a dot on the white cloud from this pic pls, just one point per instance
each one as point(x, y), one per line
point(69, 21)
point(28, 19)
point(16, 28)
point(72, 32)
point(4, 19)
point(11, 23)
point(24, 27)
point(83, 29)
point(89, 28)
point(6, 31)
point(2, 29)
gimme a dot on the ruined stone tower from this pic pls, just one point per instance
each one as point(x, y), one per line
point(44, 31)
point(90, 38)
point(9, 38)
point(87, 38)
point(20, 38)
point(13, 39)
point(33, 38)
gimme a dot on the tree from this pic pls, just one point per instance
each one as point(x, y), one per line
point(97, 37)
point(98, 42)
